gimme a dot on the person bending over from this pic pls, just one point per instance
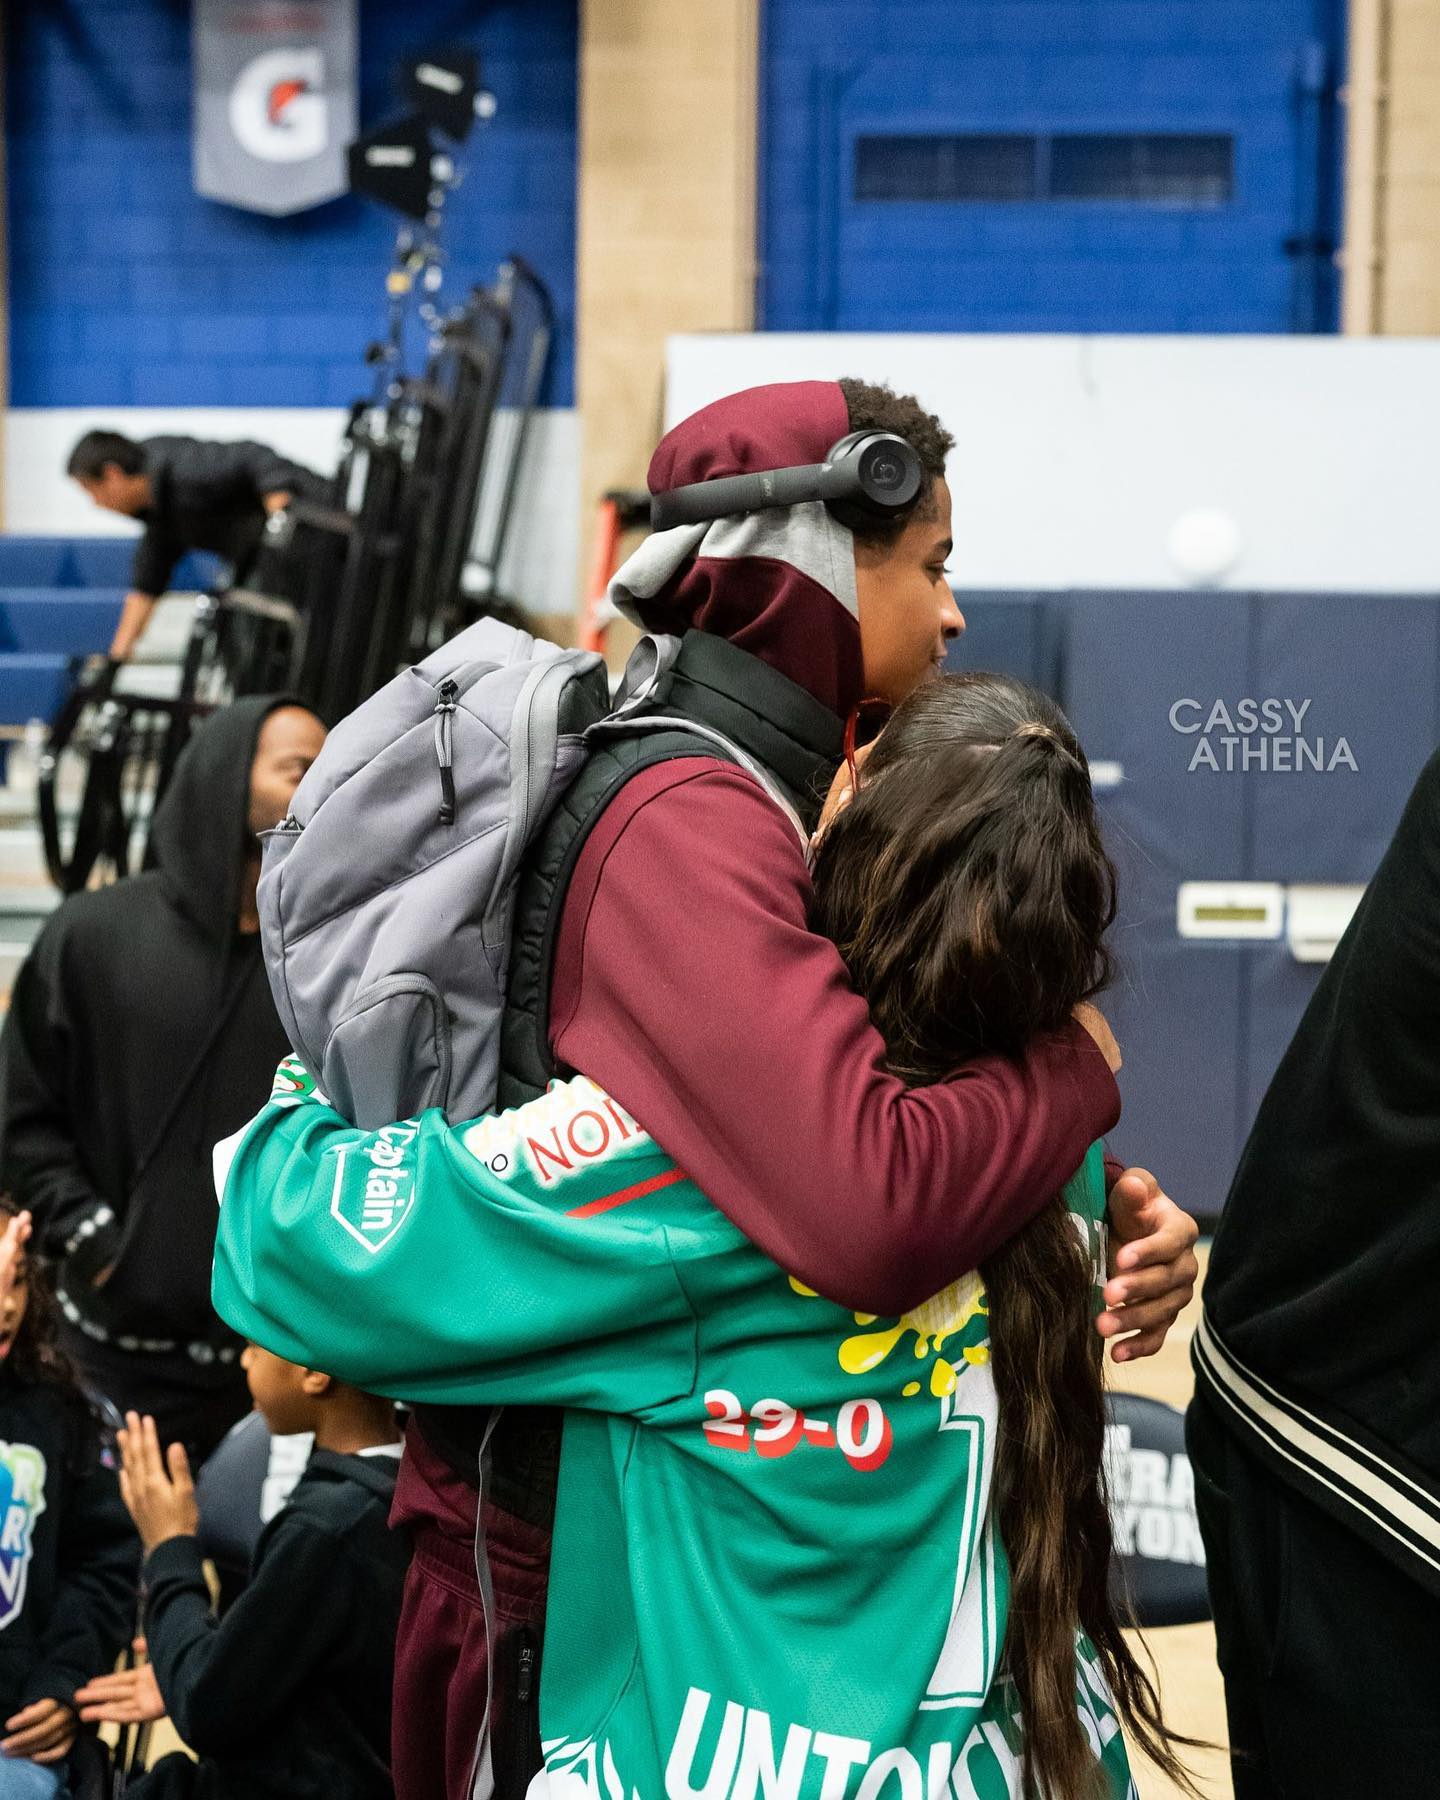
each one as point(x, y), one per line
point(190, 494)
point(798, 1548)
point(141, 1029)
point(289, 1694)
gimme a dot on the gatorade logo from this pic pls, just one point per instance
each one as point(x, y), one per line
point(374, 1190)
point(278, 109)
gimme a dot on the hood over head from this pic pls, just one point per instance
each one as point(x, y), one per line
point(779, 583)
point(200, 835)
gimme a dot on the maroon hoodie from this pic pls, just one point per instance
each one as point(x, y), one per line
point(688, 984)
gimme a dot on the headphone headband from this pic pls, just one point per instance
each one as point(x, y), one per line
point(875, 471)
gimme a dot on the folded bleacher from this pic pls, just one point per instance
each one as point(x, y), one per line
point(60, 598)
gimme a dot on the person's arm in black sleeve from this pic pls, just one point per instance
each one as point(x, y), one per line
point(93, 1617)
point(41, 1166)
point(274, 477)
point(155, 558)
point(156, 555)
point(224, 1680)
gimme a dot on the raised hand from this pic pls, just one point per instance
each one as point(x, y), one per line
point(157, 1489)
point(12, 1249)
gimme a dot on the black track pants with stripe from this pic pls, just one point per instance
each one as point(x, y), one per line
point(1330, 1653)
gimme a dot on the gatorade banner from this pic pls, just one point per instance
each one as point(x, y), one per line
point(275, 101)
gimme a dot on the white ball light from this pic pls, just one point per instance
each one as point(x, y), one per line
point(1204, 545)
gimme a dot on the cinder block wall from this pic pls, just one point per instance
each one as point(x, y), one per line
point(128, 289)
point(1392, 216)
point(1408, 174)
point(666, 239)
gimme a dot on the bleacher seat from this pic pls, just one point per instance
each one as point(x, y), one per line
point(101, 562)
point(98, 562)
point(31, 686)
point(35, 562)
point(246, 1481)
point(66, 621)
point(60, 597)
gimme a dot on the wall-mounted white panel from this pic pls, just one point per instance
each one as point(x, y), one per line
point(1142, 462)
point(1230, 909)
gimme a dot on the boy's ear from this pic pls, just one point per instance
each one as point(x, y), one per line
point(316, 1384)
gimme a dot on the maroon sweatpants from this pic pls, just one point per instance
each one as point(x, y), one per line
point(440, 1656)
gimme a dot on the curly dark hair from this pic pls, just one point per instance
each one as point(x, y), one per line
point(37, 1358)
point(874, 407)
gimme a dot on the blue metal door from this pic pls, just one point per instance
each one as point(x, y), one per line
point(1078, 165)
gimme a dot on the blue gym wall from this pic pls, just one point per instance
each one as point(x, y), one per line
point(127, 289)
point(1262, 71)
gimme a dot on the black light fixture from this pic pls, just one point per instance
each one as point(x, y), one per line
point(395, 164)
point(444, 86)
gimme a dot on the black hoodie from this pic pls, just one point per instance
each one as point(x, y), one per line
point(141, 1031)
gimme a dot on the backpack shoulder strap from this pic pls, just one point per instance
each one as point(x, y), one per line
point(639, 733)
point(526, 1063)
point(718, 742)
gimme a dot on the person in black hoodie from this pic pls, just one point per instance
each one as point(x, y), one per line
point(1315, 1429)
point(141, 1031)
point(288, 1696)
point(68, 1555)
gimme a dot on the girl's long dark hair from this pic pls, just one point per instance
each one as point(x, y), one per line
point(968, 890)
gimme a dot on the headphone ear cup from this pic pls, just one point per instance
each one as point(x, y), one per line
point(879, 477)
point(890, 473)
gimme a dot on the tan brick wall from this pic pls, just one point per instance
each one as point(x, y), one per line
point(666, 234)
point(1392, 238)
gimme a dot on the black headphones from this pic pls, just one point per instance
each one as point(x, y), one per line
point(874, 471)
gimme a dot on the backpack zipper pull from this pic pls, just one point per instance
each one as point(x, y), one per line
point(449, 694)
point(525, 1682)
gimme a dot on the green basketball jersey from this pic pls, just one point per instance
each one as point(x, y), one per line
point(776, 1574)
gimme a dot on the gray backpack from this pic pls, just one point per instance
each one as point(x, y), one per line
point(387, 896)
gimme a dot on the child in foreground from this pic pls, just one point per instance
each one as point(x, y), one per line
point(68, 1557)
point(289, 1694)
